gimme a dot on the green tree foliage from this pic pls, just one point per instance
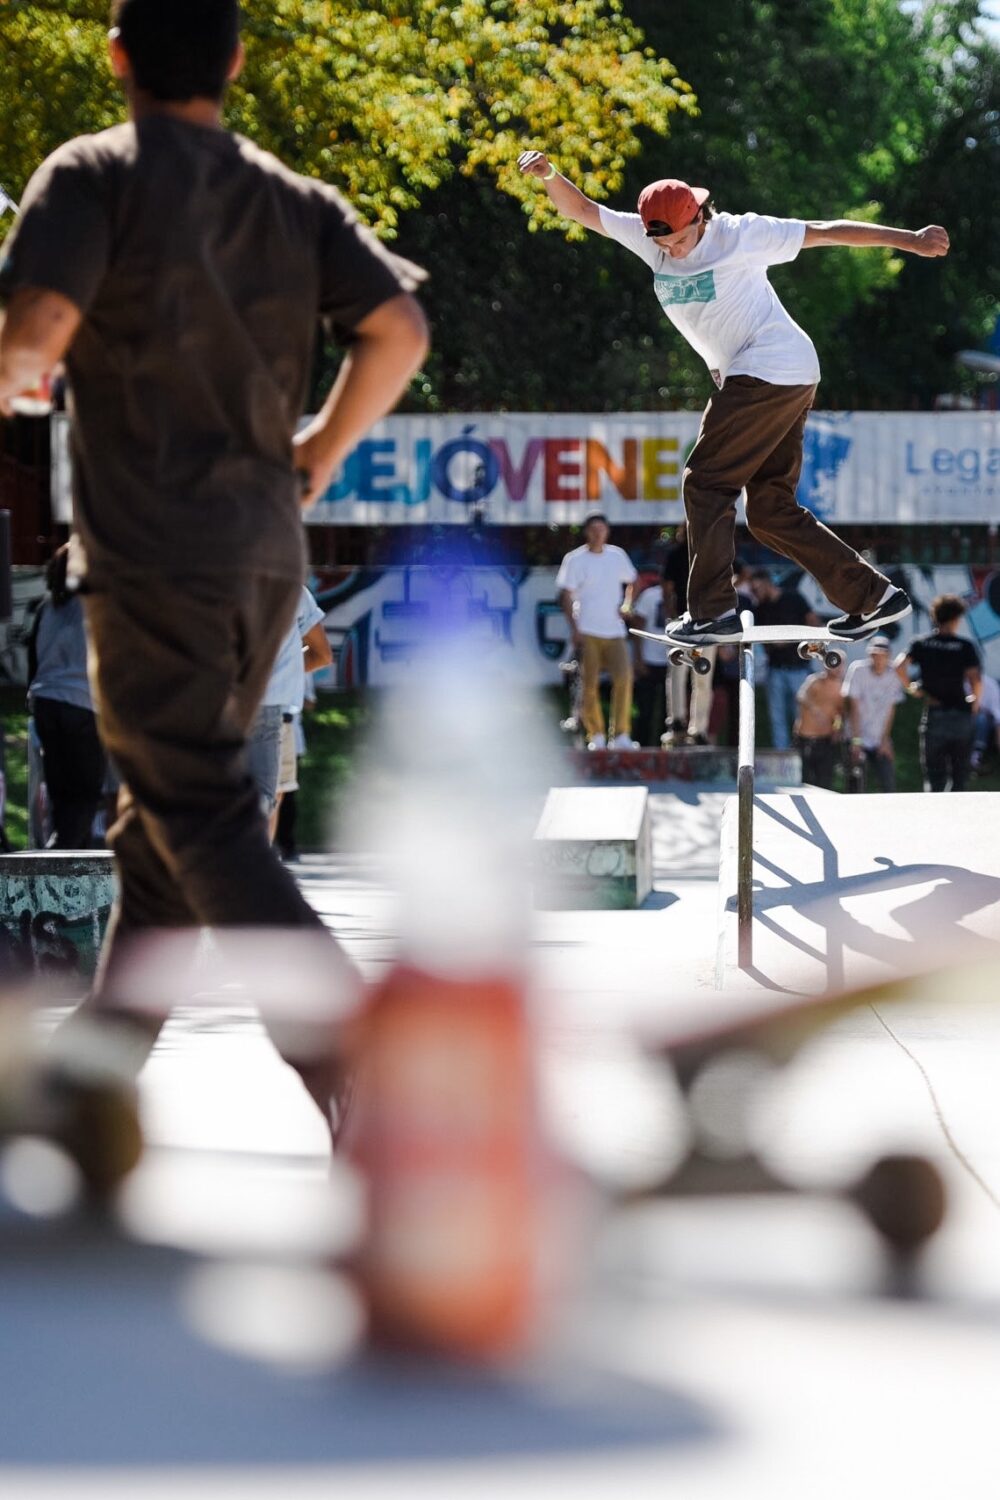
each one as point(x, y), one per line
point(388, 101)
point(417, 109)
point(54, 82)
point(805, 108)
point(853, 109)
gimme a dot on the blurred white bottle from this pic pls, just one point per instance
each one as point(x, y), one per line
point(446, 1124)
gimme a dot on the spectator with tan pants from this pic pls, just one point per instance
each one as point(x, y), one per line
point(595, 591)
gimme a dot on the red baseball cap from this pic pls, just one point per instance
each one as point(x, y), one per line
point(671, 203)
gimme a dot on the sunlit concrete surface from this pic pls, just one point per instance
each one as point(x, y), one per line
point(713, 1348)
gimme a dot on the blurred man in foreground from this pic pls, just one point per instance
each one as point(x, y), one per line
point(182, 272)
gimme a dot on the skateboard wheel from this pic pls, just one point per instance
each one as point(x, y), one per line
point(805, 650)
point(903, 1198)
point(702, 666)
point(833, 659)
point(676, 657)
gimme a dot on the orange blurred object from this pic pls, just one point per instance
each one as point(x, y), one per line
point(445, 1129)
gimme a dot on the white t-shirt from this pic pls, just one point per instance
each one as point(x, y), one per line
point(287, 683)
point(597, 580)
point(654, 616)
point(874, 693)
point(719, 296)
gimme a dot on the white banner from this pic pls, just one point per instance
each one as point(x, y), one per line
point(524, 469)
point(858, 467)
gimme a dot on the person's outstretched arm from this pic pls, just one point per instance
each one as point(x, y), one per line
point(389, 346)
point(570, 202)
point(928, 242)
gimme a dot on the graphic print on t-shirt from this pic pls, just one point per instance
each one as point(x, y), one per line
point(671, 290)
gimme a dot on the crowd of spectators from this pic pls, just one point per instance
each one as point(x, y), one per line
point(841, 722)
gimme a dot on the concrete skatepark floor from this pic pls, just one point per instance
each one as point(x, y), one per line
point(720, 1347)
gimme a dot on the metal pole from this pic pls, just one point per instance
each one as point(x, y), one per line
point(744, 793)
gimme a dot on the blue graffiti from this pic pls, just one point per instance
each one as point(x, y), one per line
point(373, 462)
point(824, 450)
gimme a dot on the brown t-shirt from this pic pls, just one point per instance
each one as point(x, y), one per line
point(202, 266)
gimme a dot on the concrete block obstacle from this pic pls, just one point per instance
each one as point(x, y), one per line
point(54, 908)
point(848, 891)
point(687, 763)
point(593, 848)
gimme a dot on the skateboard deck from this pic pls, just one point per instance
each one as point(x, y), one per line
point(767, 635)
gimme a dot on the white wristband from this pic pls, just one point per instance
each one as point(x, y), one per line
point(549, 174)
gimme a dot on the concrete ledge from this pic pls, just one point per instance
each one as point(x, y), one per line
point(593, 848)
point(704, 763)
point(54, 908)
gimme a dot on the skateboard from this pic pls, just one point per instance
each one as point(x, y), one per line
point(812, 642)
point(723, 1068)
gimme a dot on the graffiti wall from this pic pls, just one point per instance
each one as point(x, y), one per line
point(54, 910)
point(377, 617)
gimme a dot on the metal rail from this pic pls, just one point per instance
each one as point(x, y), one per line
point(744, 793)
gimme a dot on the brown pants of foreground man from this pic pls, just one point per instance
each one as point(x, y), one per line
point(601, 654)
point(179, 666)
point(751, 438)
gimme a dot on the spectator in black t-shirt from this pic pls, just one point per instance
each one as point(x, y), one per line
point(948, 679)
point(786, 672)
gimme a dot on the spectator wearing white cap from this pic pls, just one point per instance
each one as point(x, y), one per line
point(871, 692)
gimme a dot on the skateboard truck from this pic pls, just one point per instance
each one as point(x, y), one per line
point(690, 656)
point(832, 656)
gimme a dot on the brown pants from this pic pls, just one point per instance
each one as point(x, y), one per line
point(178, 666)
point(751, 438)
point(601, 654)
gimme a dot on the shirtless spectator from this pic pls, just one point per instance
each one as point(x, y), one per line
point(817, 727)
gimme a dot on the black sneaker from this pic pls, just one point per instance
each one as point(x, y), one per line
point(855, 627)
point(689, 632)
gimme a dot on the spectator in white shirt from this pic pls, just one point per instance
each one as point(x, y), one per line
point(595, 591)
point(871, 692)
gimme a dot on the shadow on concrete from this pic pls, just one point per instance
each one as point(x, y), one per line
point(99, 1368)
point(931, 921)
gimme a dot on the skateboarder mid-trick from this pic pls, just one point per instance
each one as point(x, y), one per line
point(710, 277)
